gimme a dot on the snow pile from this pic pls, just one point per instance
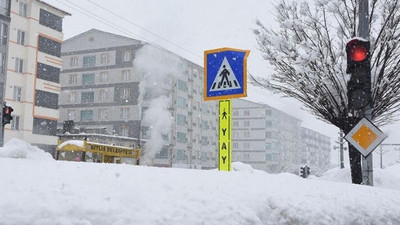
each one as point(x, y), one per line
point(386, 178)
point(16, 148)
point(78, 193)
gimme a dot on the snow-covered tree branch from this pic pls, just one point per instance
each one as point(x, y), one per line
point(309, 59)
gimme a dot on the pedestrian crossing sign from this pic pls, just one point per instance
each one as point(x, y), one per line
point(225, 73)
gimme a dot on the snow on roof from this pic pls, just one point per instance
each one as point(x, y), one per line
point(71, 142)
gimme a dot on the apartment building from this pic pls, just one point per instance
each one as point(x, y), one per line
point(271, 140)
point(4, 31)
point(103, 88)
point(33, 68)
point(315, 150)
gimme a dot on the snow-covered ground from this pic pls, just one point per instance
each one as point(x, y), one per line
point(38, 190)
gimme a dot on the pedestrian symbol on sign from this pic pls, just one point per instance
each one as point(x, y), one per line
point(225, 79)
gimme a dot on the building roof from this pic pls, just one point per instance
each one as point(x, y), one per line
point(94, 30)
point(51, 6)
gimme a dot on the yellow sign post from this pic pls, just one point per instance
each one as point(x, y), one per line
point(225, 135)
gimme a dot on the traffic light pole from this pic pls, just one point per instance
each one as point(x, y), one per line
point(363, 31)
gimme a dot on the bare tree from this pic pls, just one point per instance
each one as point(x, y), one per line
point(309, 59)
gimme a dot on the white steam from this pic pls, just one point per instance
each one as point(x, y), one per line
point(157, 69)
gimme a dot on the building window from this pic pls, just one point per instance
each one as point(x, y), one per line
point(74, 61)
point(246, 134)
point(49, 46)
point(103, 113)
point(268, 123)
point(124, 113)
point(127, 56)
point(180, 119)
point(89, 61)
point(182, 85)
point(47, 72)
point(50, 20)
point(125, 93)
point(246, 123)
point(181, 102)
point(124, 131)
point(46, 99)
point(71, 114)
point(72, 97)
point(17, 93)
point(103, 95)
point(181, 137)
point(235, 123)
point(103, 76)
point(19, 65)
point(15, 123)
point(4, 9)
point(44, 126)
point(2, 63)
point(204, 125)
point(23, 9)
point(3, 34)
point(86, 115)
point(180, 155)
point(104, 58)
point(87, 97)
point(73, 79)
point(163, 154)
point(246, 113)
point(21, 37)
point(87, 79)
point(204, 140)
point(268, 112)
point(126, 75)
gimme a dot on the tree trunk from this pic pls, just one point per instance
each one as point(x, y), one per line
point(355, 165)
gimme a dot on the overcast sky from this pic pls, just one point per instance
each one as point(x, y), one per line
point(188, 28)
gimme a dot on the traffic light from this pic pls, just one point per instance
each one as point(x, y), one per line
point(359, 66)
point(303, 172)
point(7, 110)
point(307, 171)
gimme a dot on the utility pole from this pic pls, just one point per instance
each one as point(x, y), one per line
point(341, 148)
point(363, 31)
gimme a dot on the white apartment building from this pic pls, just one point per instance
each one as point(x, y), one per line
point(271, 140)
point(34, 64)
point(316, 151)
point(101, 89)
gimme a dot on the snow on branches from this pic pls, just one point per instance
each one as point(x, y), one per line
point(309, 59)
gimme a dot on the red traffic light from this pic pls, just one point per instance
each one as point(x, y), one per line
point(7, 110)
point(357, 50)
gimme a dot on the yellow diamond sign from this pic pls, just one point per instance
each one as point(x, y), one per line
point(365, 137)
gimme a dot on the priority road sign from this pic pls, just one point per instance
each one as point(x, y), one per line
point(365, 137)
point(225, 73)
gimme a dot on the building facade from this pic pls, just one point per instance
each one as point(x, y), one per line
point(269, 139)
point(105, 87)
point(33, 69)
point(316, 151)
point(4, 36)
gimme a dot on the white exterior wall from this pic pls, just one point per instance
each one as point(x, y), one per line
point(26, 108)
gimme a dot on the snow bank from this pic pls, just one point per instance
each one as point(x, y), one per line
point(77, 193)
point(386, 178)
point(16, 148)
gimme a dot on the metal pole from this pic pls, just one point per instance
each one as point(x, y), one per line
point(363, 31)
point(381, 156)
point(341, 142)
